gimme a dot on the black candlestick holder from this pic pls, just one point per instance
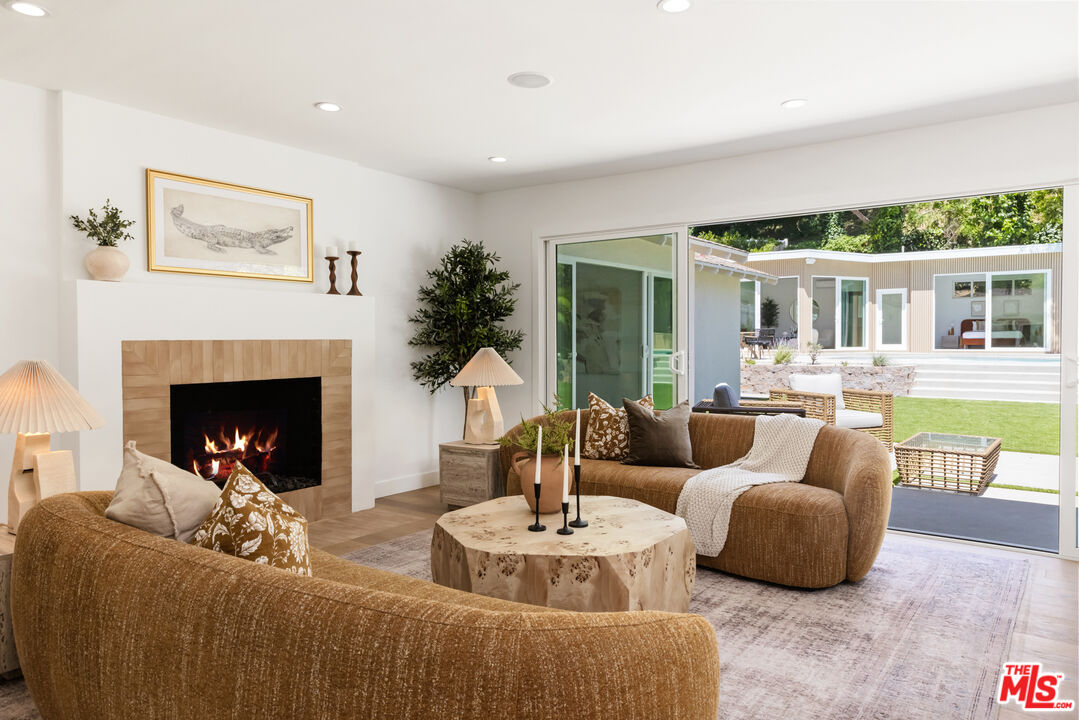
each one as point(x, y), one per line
point(578, 523)
point(333, 275)
point(564, 530)
point(536, 527)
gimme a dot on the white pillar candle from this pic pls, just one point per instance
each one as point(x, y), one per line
point(331, 251)
point(354, 246)
point(577, 440)
point(565, 476)
point(539, 453)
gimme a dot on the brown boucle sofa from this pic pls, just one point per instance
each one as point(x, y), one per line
point(113, 623)
point(816, 533)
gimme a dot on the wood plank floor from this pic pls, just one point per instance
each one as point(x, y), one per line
point(1046, 629)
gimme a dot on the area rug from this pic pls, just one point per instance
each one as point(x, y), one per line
point(922, 636)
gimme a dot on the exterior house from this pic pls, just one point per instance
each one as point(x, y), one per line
point(1002, 299)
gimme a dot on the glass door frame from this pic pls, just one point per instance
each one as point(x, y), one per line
point(1069, 377)
point(546, 265)
point(902, 346)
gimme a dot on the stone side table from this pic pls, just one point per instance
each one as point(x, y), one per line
point(631, 556)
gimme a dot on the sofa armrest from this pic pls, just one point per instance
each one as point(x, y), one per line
point(817, 405)
point(865, 482)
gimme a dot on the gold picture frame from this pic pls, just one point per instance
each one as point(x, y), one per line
point(197, 226)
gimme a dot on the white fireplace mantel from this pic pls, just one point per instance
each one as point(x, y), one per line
point(104, 314)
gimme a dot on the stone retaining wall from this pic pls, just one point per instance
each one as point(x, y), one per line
point(758, 379)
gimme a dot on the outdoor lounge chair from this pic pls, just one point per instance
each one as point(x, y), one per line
point(867, 411)
point(725, 402)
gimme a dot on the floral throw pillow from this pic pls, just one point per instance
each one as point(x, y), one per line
point(607, 436)
point(251, 522)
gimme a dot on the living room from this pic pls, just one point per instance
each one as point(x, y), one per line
point(547, 137)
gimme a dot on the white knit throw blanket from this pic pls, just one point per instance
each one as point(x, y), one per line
point(780, 453)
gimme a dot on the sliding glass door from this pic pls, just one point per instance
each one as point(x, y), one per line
point(615, 320)
point(839, 312)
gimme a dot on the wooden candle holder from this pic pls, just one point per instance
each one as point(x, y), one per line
point(333, 276)
point(355, 290)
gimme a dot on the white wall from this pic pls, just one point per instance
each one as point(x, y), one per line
point(64, 153)
point(1011, 151)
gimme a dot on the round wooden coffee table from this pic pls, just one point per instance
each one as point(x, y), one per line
point(631, 556)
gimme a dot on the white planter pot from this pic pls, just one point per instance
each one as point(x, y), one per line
point(107, 263)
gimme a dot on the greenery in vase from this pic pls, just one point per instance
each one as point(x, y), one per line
point(106, 230)
point(558, 432)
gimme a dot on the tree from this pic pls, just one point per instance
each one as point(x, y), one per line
point(463, 309)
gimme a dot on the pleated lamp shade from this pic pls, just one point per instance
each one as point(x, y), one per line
point(35, 398)
point(486, 368)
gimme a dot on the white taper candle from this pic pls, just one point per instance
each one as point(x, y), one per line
point(539, 453)
point(577, 440)
point(565, 475)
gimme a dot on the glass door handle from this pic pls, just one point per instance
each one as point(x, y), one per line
point(677, 362)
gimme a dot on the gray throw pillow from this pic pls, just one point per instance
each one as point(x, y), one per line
point(660, 439)
point(159, 497)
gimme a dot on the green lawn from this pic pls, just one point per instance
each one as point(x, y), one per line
point(1022, 427)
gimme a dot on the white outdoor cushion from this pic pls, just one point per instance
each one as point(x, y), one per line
point(858, 419)
point(830, 384)
point(159, 497)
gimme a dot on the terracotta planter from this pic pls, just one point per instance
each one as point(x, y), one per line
point(107, 263)
point(550, 480)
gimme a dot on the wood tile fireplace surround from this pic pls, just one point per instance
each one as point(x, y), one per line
point(151, 367)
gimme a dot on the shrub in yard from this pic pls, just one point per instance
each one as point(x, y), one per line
point(880, 360)
point(814, 350)
point(783, 355)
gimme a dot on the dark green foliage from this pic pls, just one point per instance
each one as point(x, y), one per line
point(1025, 218)
point(769, 312)
point(462, 310)
point(106, 230)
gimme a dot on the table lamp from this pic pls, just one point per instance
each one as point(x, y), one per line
point(36, 400)
point(483, 418)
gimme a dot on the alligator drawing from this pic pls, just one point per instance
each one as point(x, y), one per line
point(219, 237)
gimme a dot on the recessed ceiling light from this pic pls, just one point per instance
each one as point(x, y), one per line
point(497, 159)
point(328, 106)
point(793, 103)
point(529, 79)
point(26, 8)
point(674, 6)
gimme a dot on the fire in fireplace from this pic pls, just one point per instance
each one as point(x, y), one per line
point(273, 427)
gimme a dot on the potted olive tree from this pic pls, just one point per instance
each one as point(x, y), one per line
point(106, 261)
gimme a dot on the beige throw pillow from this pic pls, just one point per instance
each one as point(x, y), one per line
point(607, 435)
point(251, 522)
point(159, 497)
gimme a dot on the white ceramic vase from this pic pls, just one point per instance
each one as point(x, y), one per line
point(107, 263)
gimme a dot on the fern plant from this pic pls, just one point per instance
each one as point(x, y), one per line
point(106, 230)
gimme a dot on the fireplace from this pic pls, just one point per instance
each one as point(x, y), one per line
point(274, 427)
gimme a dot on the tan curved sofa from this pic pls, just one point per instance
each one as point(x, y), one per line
point(816, 533)
point(113, 623)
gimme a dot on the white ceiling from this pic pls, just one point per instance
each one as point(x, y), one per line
point(424, 91)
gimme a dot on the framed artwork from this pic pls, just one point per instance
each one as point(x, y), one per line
point(1024, 286)
point(1002, 287)
point(961, 289)
point(1011, 308)
point(205, 227)
point(977, 308)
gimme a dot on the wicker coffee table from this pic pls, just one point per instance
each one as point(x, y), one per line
point(631, 556)
point(963, 463)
